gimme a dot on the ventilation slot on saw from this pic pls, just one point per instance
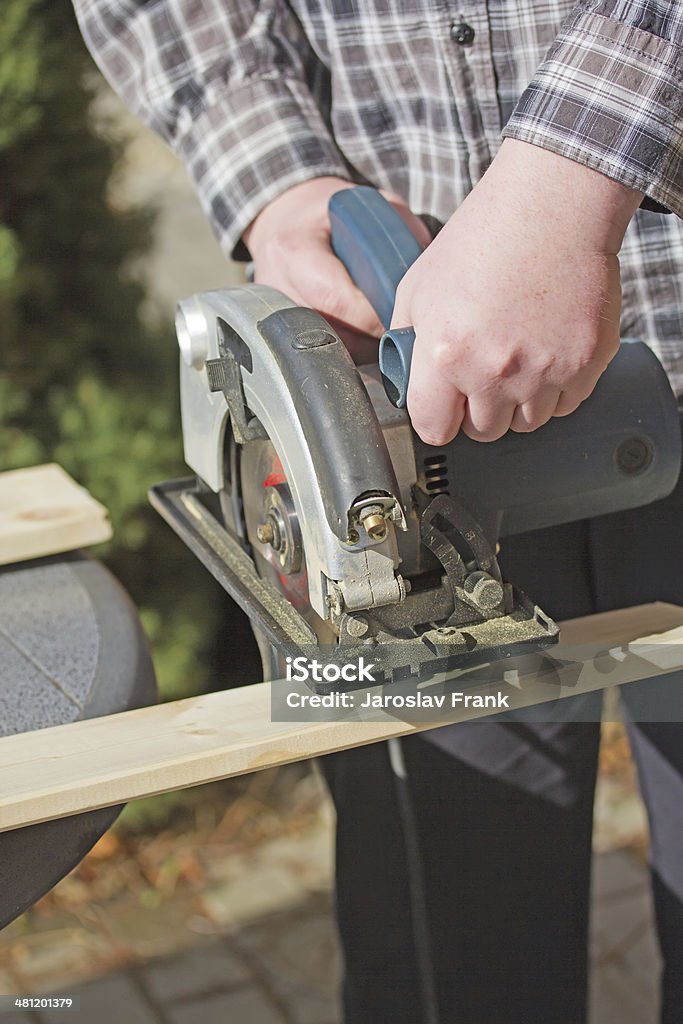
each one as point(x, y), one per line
point(436, 474)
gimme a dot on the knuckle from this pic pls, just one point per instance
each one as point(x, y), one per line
point(493, 363)
point(508, 362)
point(442, 354)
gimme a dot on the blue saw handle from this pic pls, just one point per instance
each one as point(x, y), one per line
point(376, 246)
point(374, 243)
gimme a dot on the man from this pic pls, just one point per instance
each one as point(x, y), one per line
point(517, 309)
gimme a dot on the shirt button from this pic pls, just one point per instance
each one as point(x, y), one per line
point(462, 33)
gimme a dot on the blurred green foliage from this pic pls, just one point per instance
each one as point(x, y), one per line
point(20, 40)
point(85, 381)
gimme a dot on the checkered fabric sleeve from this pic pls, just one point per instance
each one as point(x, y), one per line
point(609, 94)
point(225, 85)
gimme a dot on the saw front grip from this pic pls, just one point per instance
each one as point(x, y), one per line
point(281, 371)
point(377, 247)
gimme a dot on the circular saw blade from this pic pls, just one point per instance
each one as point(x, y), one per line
point(255, 472)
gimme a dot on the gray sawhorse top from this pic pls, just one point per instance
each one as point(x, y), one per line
point(71, 647)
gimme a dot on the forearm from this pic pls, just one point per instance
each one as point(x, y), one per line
point(225, 85)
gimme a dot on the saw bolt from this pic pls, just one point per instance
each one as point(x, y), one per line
point(374, 523)
point(280, 529)
point(265, 533)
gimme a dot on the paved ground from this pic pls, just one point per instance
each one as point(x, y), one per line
point(625, 960)
point(284, 969)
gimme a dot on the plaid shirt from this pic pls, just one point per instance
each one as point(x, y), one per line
point(414, 96)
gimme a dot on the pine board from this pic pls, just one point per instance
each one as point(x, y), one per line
point(84, 765)
point(44, 512)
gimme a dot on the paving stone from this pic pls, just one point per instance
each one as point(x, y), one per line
point(200, 969)
point(153, 931)
point(109, 1000)
point(617, 873)
point(625, 952)
point(294, 954)
point(281, 873)
point(301, 960)
point(624, 955)
point(234, 902)
point(612, 1000)
point(618, 921)
point(51, 957)
point(623, 938)
point(644, 961)
point(246, 1006)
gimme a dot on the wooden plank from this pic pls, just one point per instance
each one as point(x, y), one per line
point(43, 512)
point(83, 765)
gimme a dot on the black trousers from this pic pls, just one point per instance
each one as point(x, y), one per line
point(503, 816)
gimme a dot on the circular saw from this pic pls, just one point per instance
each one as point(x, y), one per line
point(333, 525)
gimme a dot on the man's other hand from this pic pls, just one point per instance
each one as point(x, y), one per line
point(516, 303)
point(289, 242)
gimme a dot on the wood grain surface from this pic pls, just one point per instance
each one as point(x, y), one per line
point(102, 761)
point(44, 512)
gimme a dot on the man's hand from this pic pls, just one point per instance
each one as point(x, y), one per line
point(516, 303)
point(289, 242)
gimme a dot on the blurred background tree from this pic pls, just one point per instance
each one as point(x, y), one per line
point(86, 381)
